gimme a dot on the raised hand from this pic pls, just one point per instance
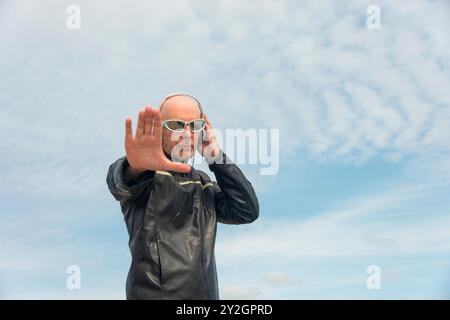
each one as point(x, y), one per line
point(209, 149)
point(144, 150)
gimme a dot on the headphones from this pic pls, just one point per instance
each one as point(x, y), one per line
point(185, 95)
point(203, 134)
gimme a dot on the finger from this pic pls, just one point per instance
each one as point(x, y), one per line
point(148, 121)
point(175, 166)
point(141, 123)
point(128, 129)
point(157, 129)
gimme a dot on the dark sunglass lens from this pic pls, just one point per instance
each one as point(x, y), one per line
point(175, 125)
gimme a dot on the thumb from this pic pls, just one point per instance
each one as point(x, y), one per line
point(178, 167)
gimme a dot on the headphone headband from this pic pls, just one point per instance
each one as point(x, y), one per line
point(185, 95)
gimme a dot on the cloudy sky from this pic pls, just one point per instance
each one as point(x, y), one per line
point(364, 140)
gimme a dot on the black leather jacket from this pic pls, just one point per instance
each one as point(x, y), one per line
point(171, 220)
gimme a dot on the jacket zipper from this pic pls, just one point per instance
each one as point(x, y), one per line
point(160, 261)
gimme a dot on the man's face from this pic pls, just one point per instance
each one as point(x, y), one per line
point(180, 145)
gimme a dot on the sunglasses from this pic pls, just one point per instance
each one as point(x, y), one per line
point(175, 125)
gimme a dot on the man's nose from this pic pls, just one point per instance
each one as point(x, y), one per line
point(187, 134)
point(187, 130)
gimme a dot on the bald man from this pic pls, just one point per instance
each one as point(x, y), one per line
point(171, 210)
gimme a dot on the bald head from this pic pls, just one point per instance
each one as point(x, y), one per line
point(180, 107)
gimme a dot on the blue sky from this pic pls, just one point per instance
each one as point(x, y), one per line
point(363, 115)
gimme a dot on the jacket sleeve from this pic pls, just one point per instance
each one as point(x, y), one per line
point(123, 187)
point(234, 197)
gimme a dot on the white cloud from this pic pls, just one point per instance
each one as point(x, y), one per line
point(337, 90)
point(280, 279)
point(390, 222)
point(82, 294)
point(239, 292)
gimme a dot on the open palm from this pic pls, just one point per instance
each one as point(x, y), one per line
point(144, 150)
